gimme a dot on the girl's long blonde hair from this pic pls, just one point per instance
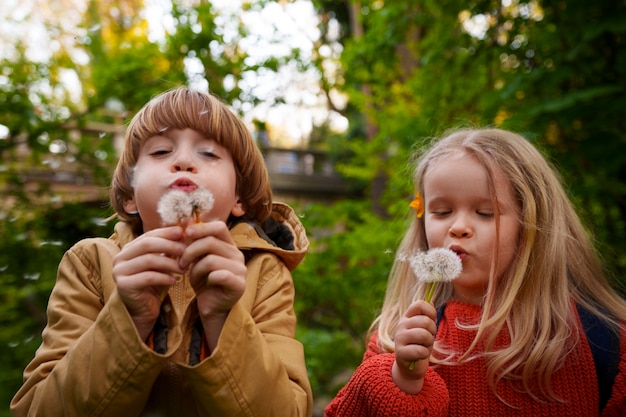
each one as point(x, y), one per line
point(183, 108)
point(556, 266)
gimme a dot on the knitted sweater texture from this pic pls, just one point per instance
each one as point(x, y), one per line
point(463, 390)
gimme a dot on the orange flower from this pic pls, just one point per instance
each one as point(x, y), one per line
point(418, 205)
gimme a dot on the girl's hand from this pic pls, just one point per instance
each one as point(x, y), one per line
point(414, 340)
point(143, 271)
point(217, 271)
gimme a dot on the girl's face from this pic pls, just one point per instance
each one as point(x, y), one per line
point(186, 160)
point(460, 215)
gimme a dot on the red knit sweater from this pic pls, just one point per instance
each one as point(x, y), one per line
point(463, 390)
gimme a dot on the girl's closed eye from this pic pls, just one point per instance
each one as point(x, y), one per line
point(485, 213)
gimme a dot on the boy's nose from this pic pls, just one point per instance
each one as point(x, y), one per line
point(181, 167)
point(183, 163)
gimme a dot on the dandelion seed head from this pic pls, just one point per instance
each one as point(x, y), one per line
point(437, 264)
point(202, 200)
point(174, 206)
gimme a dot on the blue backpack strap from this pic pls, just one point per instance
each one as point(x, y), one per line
point(605, 344)
point(440, 314)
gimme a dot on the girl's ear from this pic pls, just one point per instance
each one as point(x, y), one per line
point(237, 209)
point(130, 206)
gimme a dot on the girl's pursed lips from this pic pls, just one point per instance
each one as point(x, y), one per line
point(461, 253)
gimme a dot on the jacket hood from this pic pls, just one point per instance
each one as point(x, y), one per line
point(281, 234)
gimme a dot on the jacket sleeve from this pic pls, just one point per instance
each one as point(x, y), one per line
point(91, 361)
point(258, 366)
point(616, 406)
point(371, 392)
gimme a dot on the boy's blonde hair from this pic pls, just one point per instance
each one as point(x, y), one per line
point(556, 265)
point(183, 108)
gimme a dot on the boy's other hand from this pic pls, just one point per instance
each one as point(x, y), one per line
point(144, 270)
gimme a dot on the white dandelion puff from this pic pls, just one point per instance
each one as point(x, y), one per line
point(174, 206)
point(202, 201)
point(437, 264)
point(433, 266)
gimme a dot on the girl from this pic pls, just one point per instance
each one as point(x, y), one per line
point(517, 328)
point(186, 318)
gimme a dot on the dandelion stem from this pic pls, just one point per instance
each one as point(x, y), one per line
point(430, 291)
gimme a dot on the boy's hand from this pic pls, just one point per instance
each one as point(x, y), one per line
point(217, 271)
point(143, 271)
point(414, 340)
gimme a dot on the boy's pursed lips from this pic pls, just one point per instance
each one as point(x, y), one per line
point(184, 184)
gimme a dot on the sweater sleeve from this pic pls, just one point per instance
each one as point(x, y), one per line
point(91, 361)
point(616, 406)
point(258, 367)
point(372, 392)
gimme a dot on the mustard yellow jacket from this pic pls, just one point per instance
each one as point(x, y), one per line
point(93, 363)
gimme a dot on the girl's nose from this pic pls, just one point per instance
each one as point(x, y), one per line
point(461, 228)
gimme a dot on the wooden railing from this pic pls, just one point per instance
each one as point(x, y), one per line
point(294, 173)
point(303, 173)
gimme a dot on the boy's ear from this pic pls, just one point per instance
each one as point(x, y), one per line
point(130, 206)
point(237, 209)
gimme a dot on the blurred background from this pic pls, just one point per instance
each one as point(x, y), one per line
point(338, 95)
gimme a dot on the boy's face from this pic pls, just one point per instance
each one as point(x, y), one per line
point(183, 159)
point(460, 215)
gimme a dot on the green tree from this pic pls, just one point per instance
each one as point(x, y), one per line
point(53, 129)
point(553, 71)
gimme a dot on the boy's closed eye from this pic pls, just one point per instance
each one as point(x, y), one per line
point(160, 152)
point(209, 154)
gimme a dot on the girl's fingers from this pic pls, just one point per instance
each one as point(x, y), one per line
point(421, 307)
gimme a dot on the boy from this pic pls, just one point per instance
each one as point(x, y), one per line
point(186, 319)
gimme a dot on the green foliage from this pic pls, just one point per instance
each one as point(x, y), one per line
point(340, 285)
point(552, 70)
point(32, 245)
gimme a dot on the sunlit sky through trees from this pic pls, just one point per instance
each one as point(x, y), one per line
point(45, 27)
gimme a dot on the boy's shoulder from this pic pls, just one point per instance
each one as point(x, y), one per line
point(96, 249)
